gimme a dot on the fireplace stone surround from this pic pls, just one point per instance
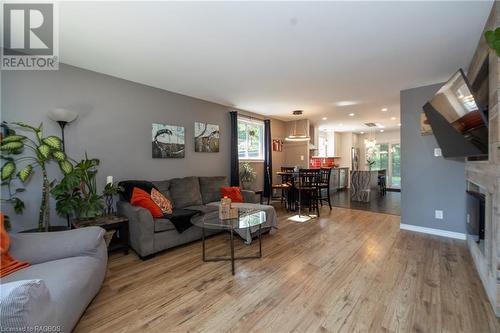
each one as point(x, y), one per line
point(485, 175)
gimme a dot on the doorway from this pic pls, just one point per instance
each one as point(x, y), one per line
point(387, 156)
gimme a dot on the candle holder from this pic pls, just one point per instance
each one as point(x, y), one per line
point(109, 190)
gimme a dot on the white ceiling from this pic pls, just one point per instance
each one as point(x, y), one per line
point(272, 58)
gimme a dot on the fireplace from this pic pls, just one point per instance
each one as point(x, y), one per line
point(476, 217)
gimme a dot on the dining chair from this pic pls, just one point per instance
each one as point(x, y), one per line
point(284, 187)
point(324, 185)
point(307, 186)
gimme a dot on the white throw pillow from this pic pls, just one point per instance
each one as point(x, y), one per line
point(25, 305)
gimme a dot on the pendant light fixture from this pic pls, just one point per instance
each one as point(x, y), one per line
point(296, 135)
point(370, 141)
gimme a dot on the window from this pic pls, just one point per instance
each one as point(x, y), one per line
point(250, 139)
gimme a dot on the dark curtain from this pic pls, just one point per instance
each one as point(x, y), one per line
point(268, 158)
point(235, 167)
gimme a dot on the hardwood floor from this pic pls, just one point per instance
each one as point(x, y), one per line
point(390, 203)
point(349, 271)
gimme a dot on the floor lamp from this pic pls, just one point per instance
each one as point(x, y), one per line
point(63, 117)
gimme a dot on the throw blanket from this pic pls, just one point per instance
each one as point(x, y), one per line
point(8, 264)
point(181, 218)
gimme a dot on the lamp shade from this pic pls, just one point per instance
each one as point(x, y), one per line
point(63, 115)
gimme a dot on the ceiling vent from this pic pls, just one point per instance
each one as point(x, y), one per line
point(371, 124)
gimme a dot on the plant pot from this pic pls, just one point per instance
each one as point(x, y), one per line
point(52, 228)
point(246, 185)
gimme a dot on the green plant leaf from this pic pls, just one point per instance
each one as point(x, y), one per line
point(66, 166)
point(44, 151)
point(489, 36)
point(13, 138)
point(59, 155)
point(497, 33)
point(25, 172)
point(18, 205)
point(8, 170)
point(20, 124)
point(53, 142)
point(11, 146)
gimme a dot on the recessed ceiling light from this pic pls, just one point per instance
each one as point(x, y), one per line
point(379, 125)
point(324, 118)
point(361, 132)
point(384, 109)
point(381, 131)
point(399, 124)
point(351, 114)
point(346, 103)
point(393, 118)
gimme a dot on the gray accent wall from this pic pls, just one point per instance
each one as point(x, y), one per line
point(428, 183)
point(114, 125)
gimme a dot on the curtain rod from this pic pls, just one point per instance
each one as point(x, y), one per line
point(250, 117)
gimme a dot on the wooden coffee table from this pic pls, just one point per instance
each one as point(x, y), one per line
point(109, 222)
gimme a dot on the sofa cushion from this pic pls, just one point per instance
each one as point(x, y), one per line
point(164, 187)
point(185, 192)
point(210, 188)
point(163, 225)
point(26, 303)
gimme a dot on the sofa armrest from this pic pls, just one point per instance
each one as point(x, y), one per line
point(249, 196)
point(141, 227)
point(39, 247)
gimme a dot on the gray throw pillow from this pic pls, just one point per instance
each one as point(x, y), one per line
point(210, 188)
point(185, 192)
point(25, 304)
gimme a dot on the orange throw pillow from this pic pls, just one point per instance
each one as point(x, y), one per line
point(232, 192)
point(162, 201)
point(143, 199)
point(7, 263)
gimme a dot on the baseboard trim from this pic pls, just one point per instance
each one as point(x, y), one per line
point(431, 231)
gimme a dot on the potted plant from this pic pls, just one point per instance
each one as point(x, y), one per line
point(26, 154)
point(76, 194)
point(493, 40)
point(247, 175)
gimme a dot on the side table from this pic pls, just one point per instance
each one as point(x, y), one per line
point(109, 222)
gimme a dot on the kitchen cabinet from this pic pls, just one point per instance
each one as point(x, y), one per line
point(339, 179)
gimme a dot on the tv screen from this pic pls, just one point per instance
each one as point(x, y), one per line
point(457, 120)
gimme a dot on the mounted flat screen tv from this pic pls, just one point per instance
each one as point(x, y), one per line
point(458, 122)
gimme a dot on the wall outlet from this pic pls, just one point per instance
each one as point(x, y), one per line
point(438, 214)
point(301, 157)
point(437, 152)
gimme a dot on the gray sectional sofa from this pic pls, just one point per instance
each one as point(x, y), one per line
point(66, 271)
point(149, 235)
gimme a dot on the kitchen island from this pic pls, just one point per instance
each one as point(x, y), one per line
point(364, 184)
